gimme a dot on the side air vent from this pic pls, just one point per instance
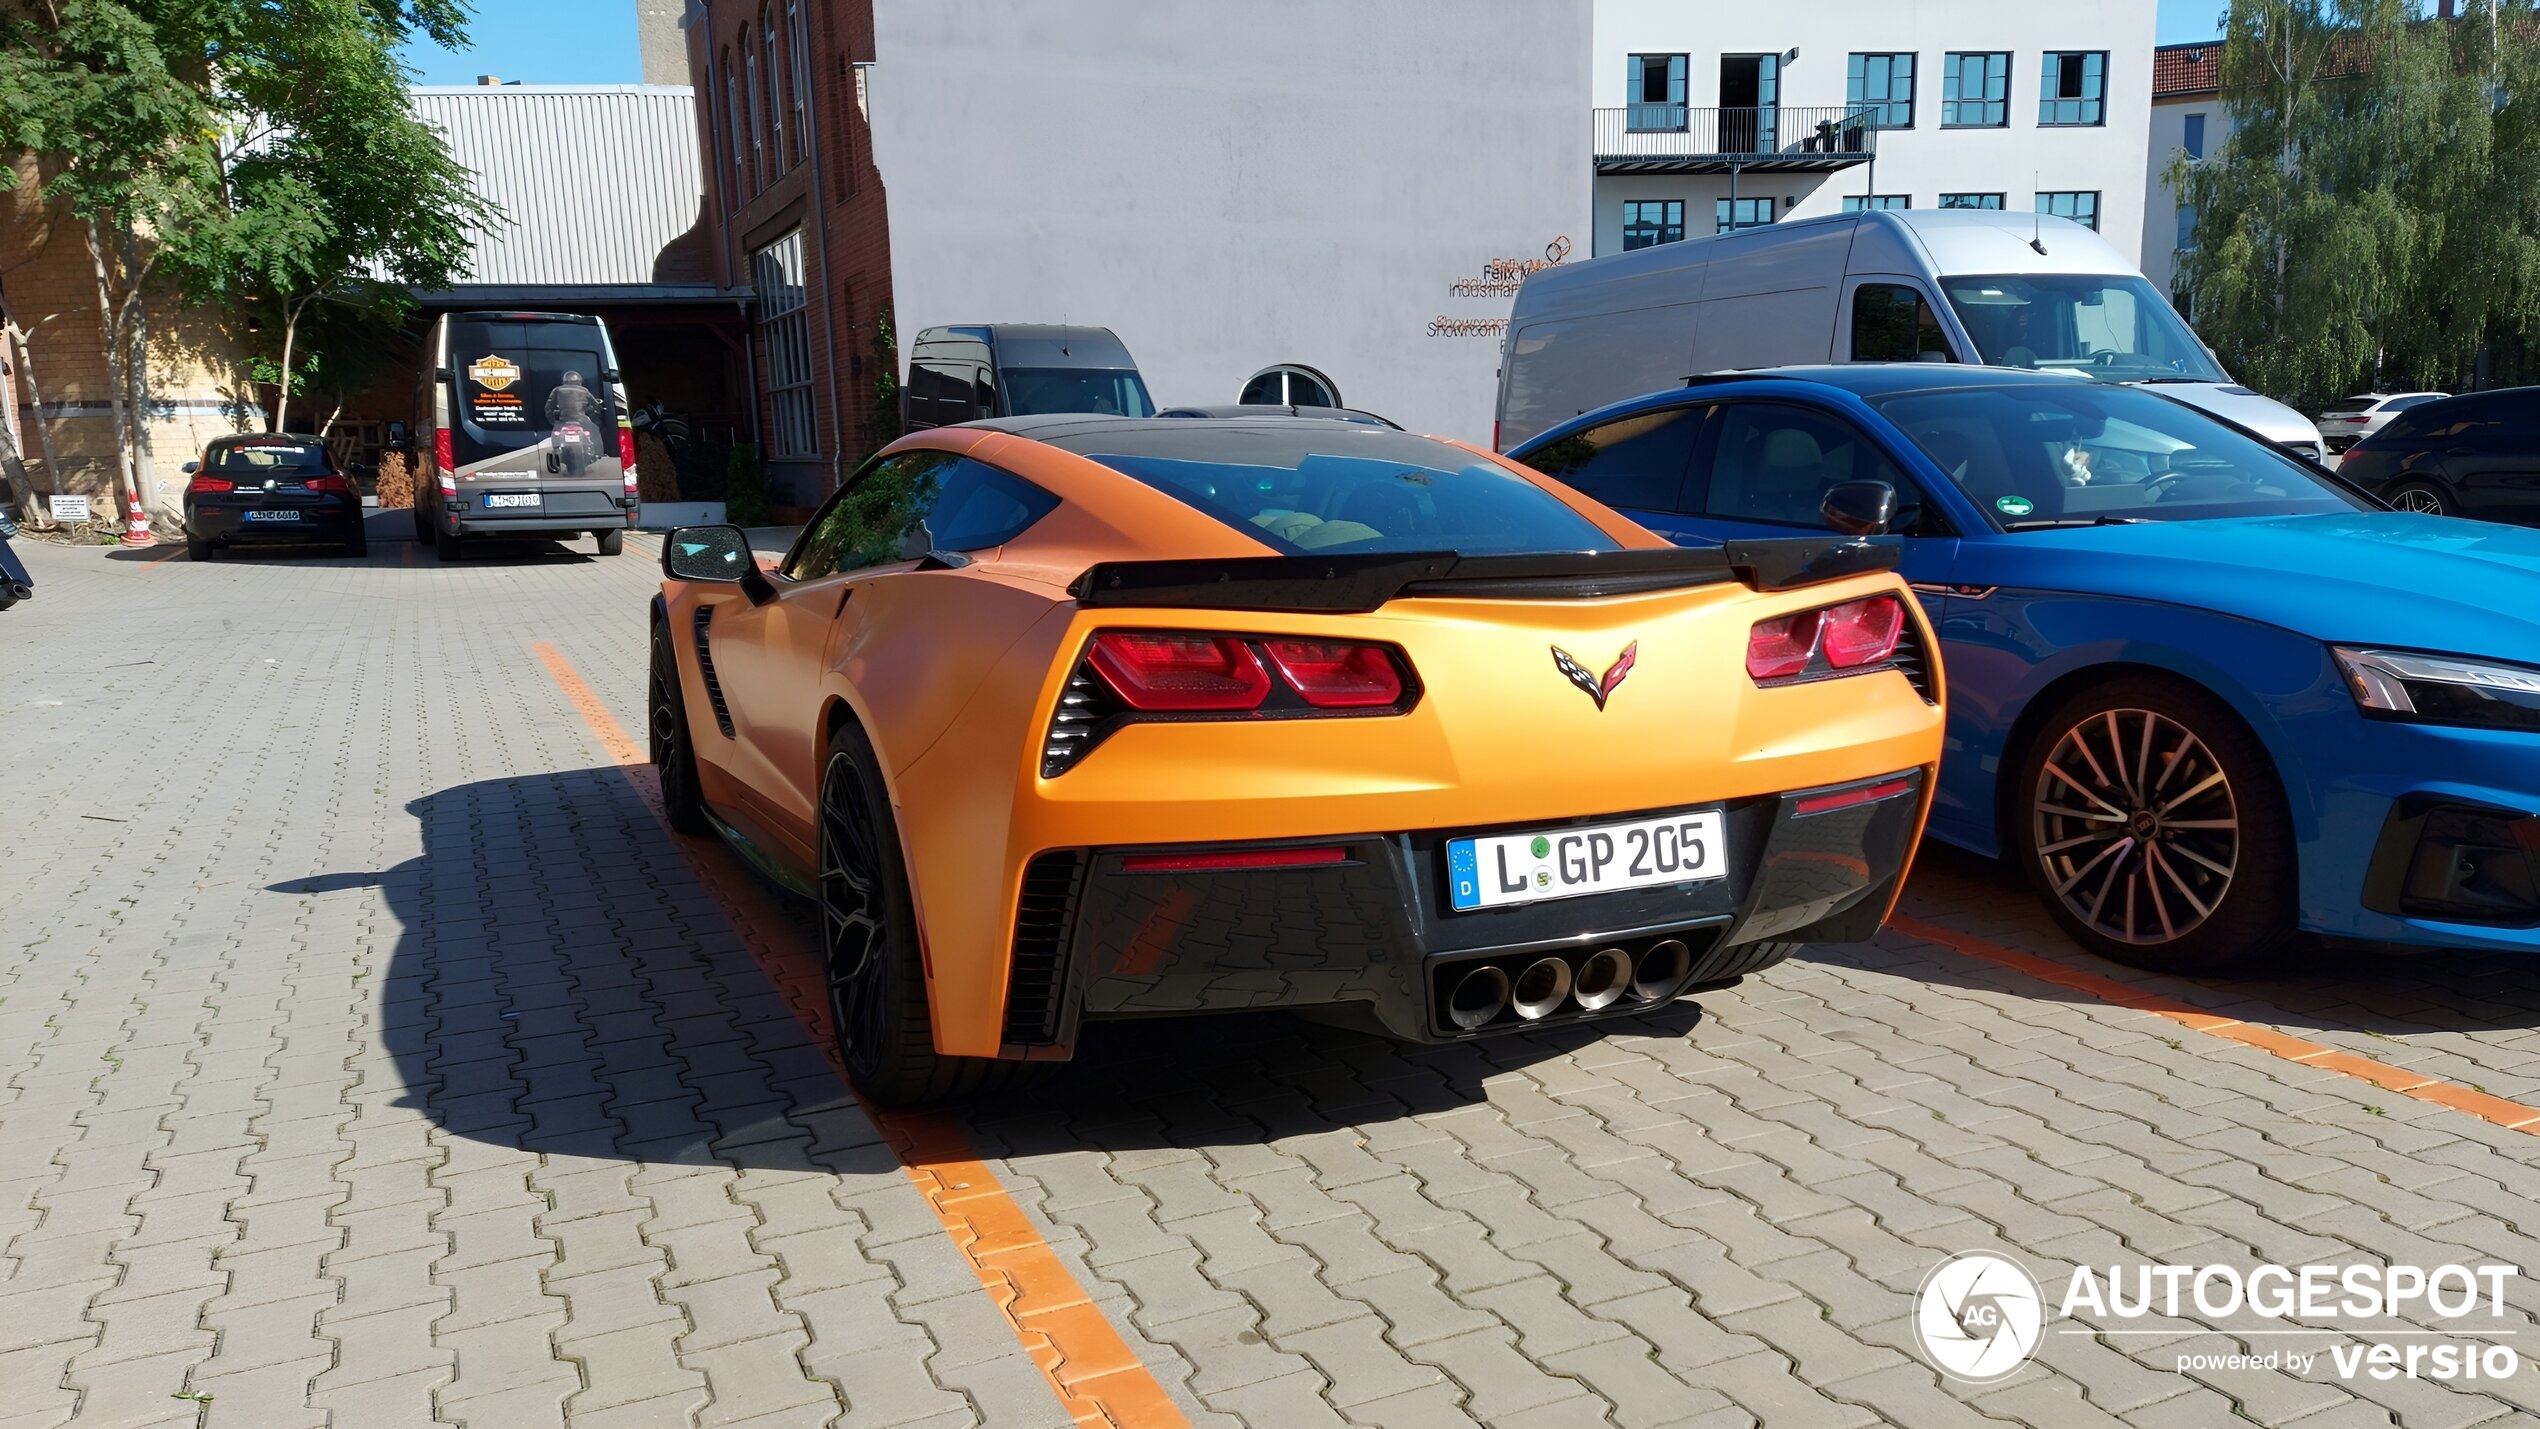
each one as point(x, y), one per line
point(1914, 662)
point(705, 667)
point(1083, 717)
point(1038, 983)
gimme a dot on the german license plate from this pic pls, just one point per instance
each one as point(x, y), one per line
point(1598, 858)
point(512, 498)
point(273, 515)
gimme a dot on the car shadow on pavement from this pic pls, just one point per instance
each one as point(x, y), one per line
point(2320, 984)
point(560, 981)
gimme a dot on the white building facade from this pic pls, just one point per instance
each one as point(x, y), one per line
point(2188, 124)
point(1713, 114)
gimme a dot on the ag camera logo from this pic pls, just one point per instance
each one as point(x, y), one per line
point(1978, 1316)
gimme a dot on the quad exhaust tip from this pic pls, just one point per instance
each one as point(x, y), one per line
point(1541, 989)
point(1602, 979)
point(1481, 995)
point(1662, 970)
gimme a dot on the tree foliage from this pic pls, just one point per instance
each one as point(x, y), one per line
point(2374, 217)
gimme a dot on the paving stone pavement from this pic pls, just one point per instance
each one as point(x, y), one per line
point(369, 1056)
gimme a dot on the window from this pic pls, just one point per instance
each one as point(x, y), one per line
point(2192, 135)
point(2186, 228)
point(1635, 463)
point(1975, 91)
point(776, 105)
point(1116, 391)
point(1731, 214)
point(1864, 203)
point(784, 325)
point(1894, 323)
point(2079, 205)
point(1971, 200)
point(903, 506)
point(1290, 387)
point(732, 122)
point(940, 393)
point(1649, 222)
point(1654, 94)
point(1884, 84)
point(798, 50)
point(758, 114)
point(2075, 89)
point(1350, 488)
point(1773, 464)
point(2113, 327)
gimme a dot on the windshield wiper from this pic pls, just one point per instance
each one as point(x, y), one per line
point(2076, 521)
point(2171, 377)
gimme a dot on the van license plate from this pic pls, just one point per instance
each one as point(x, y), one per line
point(512, 498)
point(1598, 858)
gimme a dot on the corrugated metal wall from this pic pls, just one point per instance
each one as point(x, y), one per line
point(596, 180)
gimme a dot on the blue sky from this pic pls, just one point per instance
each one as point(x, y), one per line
point(538, 42)
point(593, 41)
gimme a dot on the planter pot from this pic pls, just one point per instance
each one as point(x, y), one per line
point(664, 515)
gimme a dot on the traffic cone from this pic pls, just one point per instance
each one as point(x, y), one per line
point(136, 529)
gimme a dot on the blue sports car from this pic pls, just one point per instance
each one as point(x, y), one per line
point(2206, 695)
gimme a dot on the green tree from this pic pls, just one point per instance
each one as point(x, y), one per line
point(2372, 217)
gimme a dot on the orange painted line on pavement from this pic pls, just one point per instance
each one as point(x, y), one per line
point(2510, 1114)
point(1092, 1370)
point(161, 556)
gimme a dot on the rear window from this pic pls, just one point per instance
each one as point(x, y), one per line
point(1038, 391)
point(308, 457)
point(516, 382)
point(1332, 487)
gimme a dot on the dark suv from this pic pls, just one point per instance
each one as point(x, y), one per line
point(270, 486)
point(2476, 456)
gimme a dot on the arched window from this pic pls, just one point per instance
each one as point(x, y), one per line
point(798, 50)
point(758, 112)
point(1290, 386)
point(776, 105)
point(732, 121)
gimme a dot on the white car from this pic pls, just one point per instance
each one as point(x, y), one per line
point(2366, 413)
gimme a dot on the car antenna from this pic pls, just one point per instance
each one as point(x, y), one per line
point(2036, 220)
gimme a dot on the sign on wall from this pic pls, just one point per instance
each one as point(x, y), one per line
point(69, 508)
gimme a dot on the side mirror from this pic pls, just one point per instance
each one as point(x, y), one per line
point(443, 374)
point(1859, 508)
point(712, 555)
point(609, 374)
point(190, 468)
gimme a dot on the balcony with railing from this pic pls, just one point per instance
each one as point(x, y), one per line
point(1675, 139)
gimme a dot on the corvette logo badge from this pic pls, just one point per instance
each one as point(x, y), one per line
point(1599, 689)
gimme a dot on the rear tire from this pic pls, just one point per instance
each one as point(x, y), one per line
point(869, 944)
point(2153, 826)
point(611, 542)
point(2425, 498)
point(357, 545)
point(445, 544)
point(683, 799)
point(199, 548)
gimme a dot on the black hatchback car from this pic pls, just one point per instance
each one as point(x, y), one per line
point(2476, 456)
point(270, 487)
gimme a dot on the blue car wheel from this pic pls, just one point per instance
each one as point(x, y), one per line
point(2154, 827)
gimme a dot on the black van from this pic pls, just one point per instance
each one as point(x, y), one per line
point(960, 374)
point(521, 421)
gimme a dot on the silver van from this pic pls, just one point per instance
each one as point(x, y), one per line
point(961, 374)
point(521, 426)
point(1899, 285)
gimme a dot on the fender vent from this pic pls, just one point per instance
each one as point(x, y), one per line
point(705, 667)
point(1913, 661)
point(1038, 983)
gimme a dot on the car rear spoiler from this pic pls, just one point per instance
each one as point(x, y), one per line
point(1357, 584)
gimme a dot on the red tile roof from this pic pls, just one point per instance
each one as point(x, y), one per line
point(2182, 70)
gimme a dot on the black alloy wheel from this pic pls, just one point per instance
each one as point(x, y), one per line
point(2153, 826)
point(683, 799)
point(869, 946)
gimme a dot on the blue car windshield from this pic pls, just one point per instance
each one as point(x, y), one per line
point(2049, 454)
point(1365, 490)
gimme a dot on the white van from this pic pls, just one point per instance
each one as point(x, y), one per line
point(1900, 285)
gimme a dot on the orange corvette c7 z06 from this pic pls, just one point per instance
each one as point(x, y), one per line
point(1066, 718)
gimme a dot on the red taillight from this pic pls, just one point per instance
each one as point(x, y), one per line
point(1863, 632)
point(336, 484)
point(1158, 671)
point(208, 486)
point(1494, 436)
point(1781, 647)
point(626, 456)
point(1243, 858)
point(1858, 794)
point(1337, 675)
point(441, 456)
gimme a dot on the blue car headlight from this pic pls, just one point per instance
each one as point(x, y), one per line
point(2442, 689)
